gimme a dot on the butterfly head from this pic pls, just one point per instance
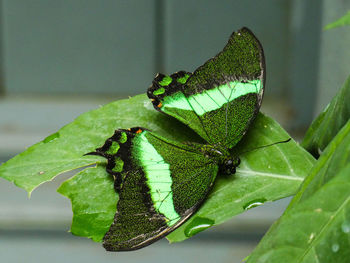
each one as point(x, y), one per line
point(228, 165)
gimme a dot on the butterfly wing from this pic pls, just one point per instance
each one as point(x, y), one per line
point(160, 183)
point(222, 97)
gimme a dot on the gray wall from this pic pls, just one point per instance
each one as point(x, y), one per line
point(194, 32)
point(101, 47)
point(334, 55)
point(78, 47)
point(87, 47)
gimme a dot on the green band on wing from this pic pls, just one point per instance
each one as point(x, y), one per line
point(159, 179)
point(213, 99)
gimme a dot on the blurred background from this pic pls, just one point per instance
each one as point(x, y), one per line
point(59, 59)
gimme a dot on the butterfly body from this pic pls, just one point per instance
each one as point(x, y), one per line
point(226, 161)
point(161, 182)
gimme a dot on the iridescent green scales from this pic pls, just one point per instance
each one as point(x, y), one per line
point(118, 165)
point(113, 149)
point(160, 182)
point(210, 100)
point(158, 178)
point(182, 80)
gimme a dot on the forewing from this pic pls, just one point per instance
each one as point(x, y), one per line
point(222, 97)
point(160, 183)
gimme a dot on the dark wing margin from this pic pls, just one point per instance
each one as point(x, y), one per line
point(223, 96)
point(160, 184)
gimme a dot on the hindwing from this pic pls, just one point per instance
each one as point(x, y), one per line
point(160, 184)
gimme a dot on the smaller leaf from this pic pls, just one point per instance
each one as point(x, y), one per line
point(329, 122)
point(316, 230)
point(93, 200)
point(343, 21)
point(333, 159)
point(316, 225)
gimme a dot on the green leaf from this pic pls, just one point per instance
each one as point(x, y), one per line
point(277, 173)
point(329, 122)
point(343, 21)
point(264, 175)
point(63, 151)
point(317, 230)
point(330, 162)
point(88, 191)
point(316, 225)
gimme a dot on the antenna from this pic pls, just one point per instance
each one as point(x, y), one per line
point(268, 145)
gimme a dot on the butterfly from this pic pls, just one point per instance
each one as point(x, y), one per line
point(162, 182)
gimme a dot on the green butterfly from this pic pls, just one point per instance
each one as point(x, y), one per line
point(160, 182)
